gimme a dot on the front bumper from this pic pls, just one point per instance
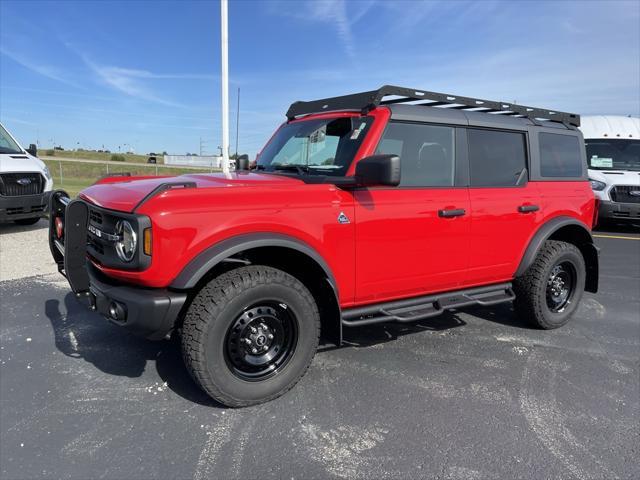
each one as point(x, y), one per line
point(23, 206)
point(619, 211)
point(148, 312)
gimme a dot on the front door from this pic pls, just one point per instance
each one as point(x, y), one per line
point(413, 239)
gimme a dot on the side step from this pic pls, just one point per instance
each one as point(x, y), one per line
point(418, 308)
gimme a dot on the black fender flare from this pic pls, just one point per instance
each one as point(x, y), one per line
point(586, 245)
point(202, 263)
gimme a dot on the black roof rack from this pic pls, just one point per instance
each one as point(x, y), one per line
point(366, 101)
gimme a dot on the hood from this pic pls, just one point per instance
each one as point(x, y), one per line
point(125, 194)
point(616, 177)
point(20, 162)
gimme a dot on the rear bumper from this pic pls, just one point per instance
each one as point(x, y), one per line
point(619, 211)
point(24, 206)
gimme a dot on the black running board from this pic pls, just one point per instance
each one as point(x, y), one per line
point(419, 308)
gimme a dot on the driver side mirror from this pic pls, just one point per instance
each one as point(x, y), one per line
point(32, 150)
point(242, 162)
point(378, 170)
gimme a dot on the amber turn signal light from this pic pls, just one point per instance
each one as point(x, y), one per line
point(147, 241)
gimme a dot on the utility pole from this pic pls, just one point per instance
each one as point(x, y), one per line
point(237, 122)
point(225, 83)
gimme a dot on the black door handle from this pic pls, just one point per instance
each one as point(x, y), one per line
point(451, 213)
point(528, 208)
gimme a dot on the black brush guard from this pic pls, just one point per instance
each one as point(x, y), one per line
point(70, 250)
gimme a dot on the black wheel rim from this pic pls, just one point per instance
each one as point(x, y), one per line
point(261, 341)
point(561, 285)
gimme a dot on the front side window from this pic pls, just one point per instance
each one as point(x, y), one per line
point(496, 159)
point(315, 147)
point(560, 155)
point(427, 153)
point(7, 145)
point(613, 154)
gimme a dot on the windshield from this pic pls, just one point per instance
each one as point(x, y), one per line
point(613, 154)
point(7, 145)
point(315, 147)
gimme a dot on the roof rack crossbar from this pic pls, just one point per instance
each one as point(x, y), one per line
point(365, 101)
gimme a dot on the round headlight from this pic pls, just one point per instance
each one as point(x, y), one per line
point(126, 245)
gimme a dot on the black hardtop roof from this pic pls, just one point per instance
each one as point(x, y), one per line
point(366, 101)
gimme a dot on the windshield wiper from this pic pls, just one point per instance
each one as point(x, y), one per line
point(299, 169)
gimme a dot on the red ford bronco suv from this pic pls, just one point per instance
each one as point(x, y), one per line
point(389, 205)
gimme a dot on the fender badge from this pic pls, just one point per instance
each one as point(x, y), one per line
point(342, 218)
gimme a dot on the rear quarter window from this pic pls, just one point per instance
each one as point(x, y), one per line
point(560, 155)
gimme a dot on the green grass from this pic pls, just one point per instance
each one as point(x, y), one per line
point(76, 175)
point(91, 155)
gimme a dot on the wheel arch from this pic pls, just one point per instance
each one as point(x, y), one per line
point(275, 250)
point(570, 230)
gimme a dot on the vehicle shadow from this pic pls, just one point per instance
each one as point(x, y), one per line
point(7, 228)
point(82, 334)
point(502, 314)
point(369, 335)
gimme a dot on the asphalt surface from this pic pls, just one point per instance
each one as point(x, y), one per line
point(473, 394)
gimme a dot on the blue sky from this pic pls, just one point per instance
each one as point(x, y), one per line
point(146, 74)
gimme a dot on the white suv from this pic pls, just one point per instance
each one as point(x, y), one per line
point(25, 182)
point(613, 154)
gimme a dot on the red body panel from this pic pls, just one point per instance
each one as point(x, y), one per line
point(395, 245)
point(500, 232)
point(404, 248)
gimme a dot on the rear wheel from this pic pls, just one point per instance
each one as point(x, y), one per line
point(250, 335)
point(549, 292)
point(27, 221)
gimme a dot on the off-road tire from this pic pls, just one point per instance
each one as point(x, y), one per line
point(531, 287)
point(214, 311)
point(27, 221)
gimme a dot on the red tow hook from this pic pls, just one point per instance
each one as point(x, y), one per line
point(59, 227)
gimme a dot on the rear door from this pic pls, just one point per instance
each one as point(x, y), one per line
point(413, 239)
point(505, 207)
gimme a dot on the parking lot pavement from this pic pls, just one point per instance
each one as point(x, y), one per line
point(24, 251)
point(470, 394)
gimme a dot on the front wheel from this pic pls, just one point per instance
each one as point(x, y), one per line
point(250, 335)
point(548, 293)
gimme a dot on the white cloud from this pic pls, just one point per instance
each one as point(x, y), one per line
point(330, 12)
point(128, 81)
point(40, 68)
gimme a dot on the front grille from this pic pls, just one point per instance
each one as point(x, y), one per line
point(622, 194)
point(95, 217)
point(17, 184)
point(22, 210)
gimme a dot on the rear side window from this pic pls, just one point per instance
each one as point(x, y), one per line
point(560, 155)
point(496, 158)
point(426, 152)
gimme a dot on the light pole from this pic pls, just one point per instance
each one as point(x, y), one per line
point(224, 34)
point(237, 123)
